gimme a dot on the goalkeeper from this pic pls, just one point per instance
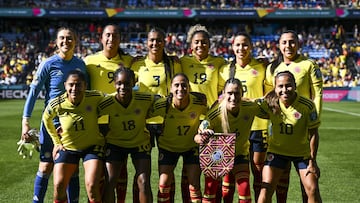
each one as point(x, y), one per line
point(51, 75)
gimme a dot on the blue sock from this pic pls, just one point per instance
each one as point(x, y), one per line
point(40, 187)
point(73, 189)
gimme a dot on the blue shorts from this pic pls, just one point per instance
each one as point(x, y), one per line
point(258, 140)
point(171, 158)
point(73, 157)
point(47, 145)
point(241, 159)
point(116, 153)
point(282, 162)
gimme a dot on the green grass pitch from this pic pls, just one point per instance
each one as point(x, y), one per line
point(338, 157)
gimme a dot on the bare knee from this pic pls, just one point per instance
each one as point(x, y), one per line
point(46, 167)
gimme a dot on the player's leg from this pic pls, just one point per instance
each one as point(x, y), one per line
point(310, 180)
point(93, 166)
point(191, 163)
point(115, 158)
point(73, 189)
point(46, 165)
point(274, 167)
point(242, 177)
point(122, 182)
point(166, 161)
point(66, 163)
point(211, 186)
point(228, 187)
point(283, 185)
point(258, 147)
point(142, 163)
point(185, 193)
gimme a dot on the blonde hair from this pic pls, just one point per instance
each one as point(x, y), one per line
point(222, 106)
point(196, 29)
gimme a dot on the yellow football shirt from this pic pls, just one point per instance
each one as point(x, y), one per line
point(153, 77)
point(240, 124)
point(252, 78)
point(203, 75)
point(79, 123)
point(180, 127)
point(308, 78)
point(127, 124)
point(290, 130)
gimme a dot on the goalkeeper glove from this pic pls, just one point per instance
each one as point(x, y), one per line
point(26, 149)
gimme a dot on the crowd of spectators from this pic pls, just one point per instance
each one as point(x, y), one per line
point(22, 47)
point(205, 4)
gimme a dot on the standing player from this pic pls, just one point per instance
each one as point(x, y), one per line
point(309, 83)
point(127, 111)
point(202, 69)
point(251, 73)
point(231, 115)
point(295, 138)
point(51, 75)
point(181, 111)
point(101, 67)
point(78, 137)
point(154, 73)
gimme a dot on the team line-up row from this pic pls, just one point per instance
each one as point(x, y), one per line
point(189, 87)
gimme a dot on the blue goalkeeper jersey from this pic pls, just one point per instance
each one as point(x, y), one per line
point(51, 75)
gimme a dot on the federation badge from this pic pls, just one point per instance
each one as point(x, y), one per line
point(297, 115)
point(217, 156)
point(270, 157)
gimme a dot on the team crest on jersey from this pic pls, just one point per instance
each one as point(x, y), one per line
point(313, 116)
point(297, 69)
point(137, 111)
point(297, 115)
point(161, 156)
point(246, 117)
point(270, 157)
point(47, 154)
point(193, 115)
point(108, 152)
point(211, 66)
point(89, 108)
point(254, 72)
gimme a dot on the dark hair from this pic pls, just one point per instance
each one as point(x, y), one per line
point(170, 96)
point(168, 61)
point(288, 73)
point(130, 73)
point(272, 99)
point(67, 28)
point(181, 74)
point(280, 57)
point(233, 62)
point(158, 30)
point(81, 75)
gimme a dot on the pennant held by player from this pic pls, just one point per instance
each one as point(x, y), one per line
point(217, 156)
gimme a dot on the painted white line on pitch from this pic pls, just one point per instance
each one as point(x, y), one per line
point(338, 128)
point(340, 111)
